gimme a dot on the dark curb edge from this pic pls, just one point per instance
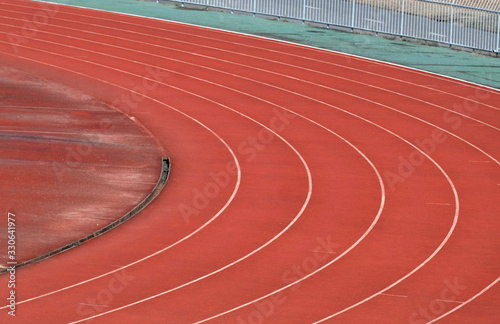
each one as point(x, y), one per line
point(165, 172)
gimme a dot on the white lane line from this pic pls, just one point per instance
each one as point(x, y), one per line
point(229, 108)
point(352, 95)
point(231, 198)
point(380, 179)
point(255, 57)
point(437, 76)
point(363, 119)
point(448, 235)
point(289, 53)
point(393, 295)
point(376, 171)
point(295, 219)
point(278, 62)
point(93, 305)
point(467, 301)
point(439, 204)
point(455, 220)
point(377, 125)
point(229, 265)
point(450, 301)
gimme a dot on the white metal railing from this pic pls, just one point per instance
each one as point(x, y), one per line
point(468, 23)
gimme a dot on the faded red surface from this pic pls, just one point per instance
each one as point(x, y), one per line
point(69, 164)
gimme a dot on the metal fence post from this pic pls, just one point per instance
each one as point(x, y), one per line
point(498, 34)
point(402, 17)
point(451, 22)
point(353, 13)
point(304, 11)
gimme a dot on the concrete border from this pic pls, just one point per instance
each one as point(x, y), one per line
point(165, 172)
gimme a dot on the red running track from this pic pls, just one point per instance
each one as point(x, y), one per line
point(307, 186)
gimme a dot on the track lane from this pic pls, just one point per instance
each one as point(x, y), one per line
point(484, 301)
point(446, 118)
point(187, 166)
point(453, 122)
point(271, 45)
point(476, 99)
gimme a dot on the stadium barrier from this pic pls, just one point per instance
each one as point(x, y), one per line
point(473, 24)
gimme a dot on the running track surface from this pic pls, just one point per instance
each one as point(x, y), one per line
point(307, 186)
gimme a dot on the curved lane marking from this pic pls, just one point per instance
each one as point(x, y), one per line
point(378, 62)
point(497, 162)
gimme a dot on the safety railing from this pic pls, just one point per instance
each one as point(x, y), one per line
point(467, 23)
